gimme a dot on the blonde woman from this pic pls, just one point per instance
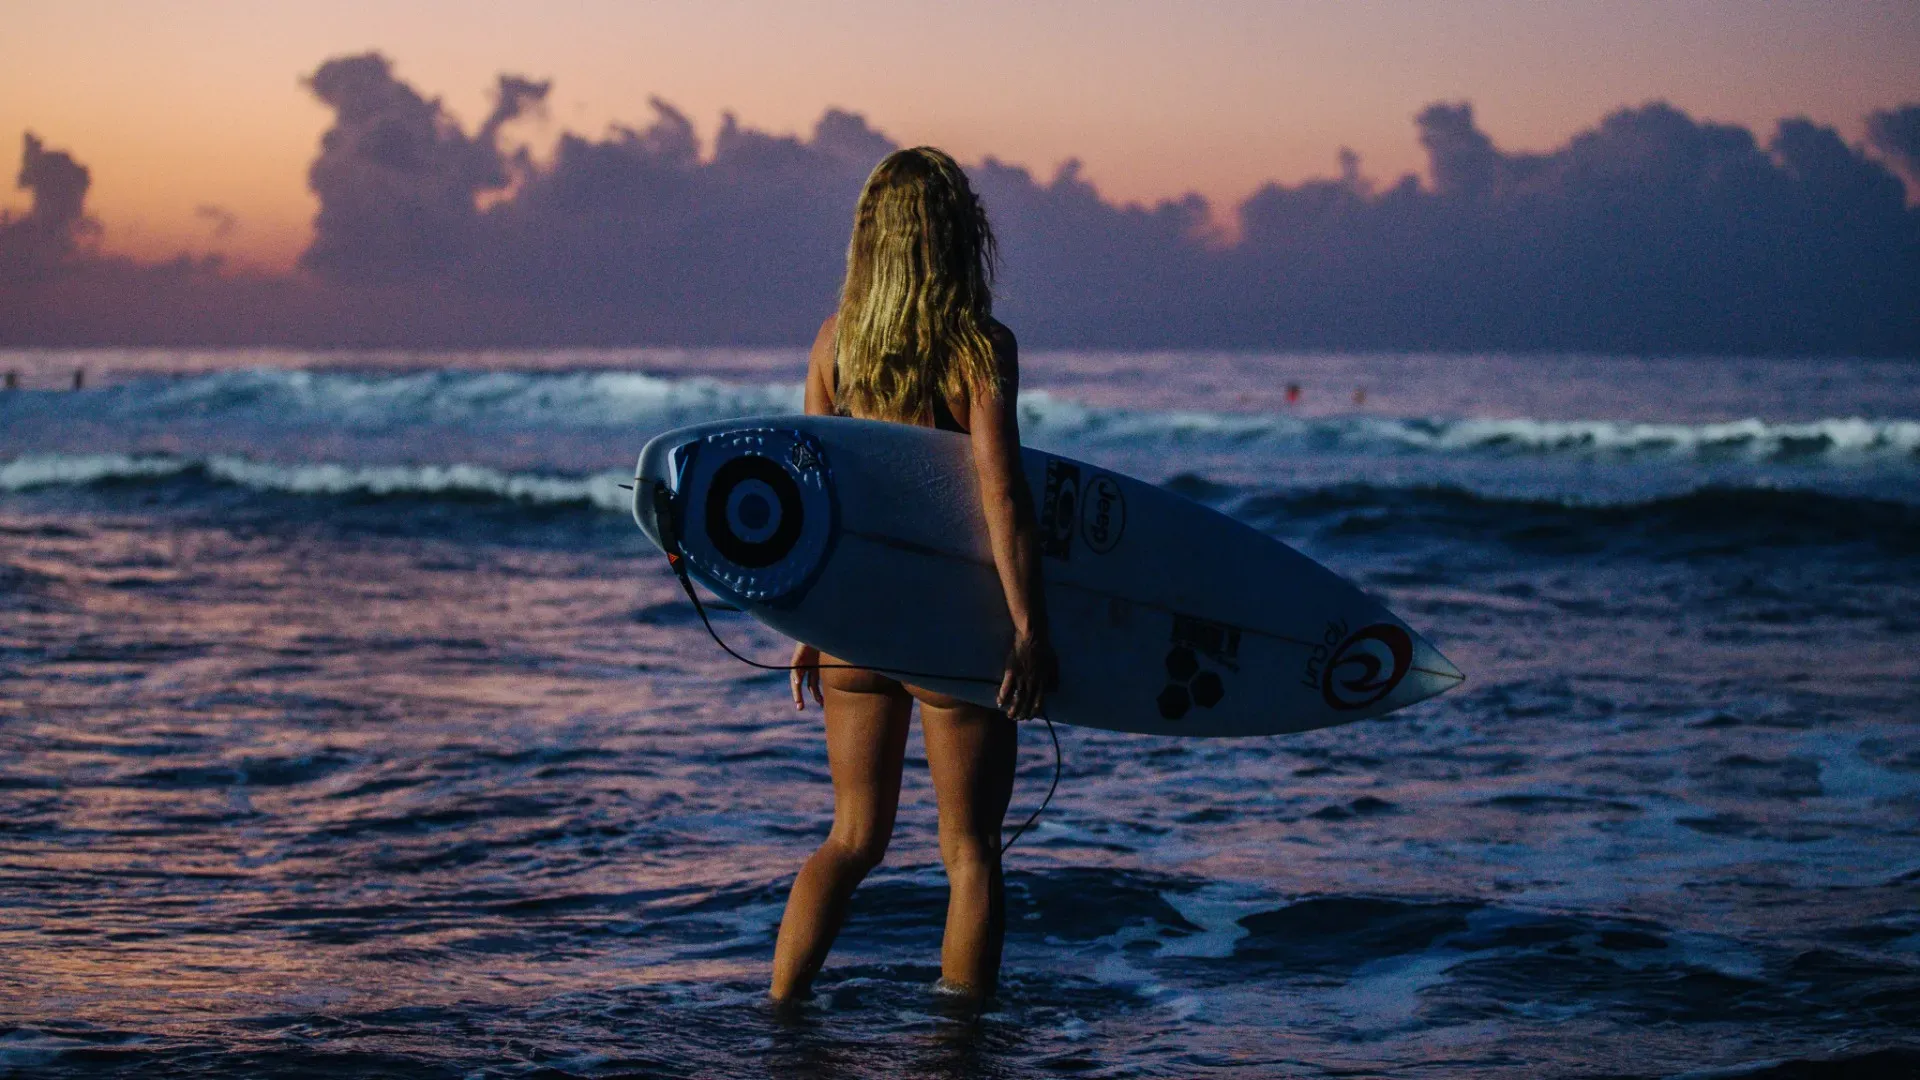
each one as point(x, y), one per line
point(915, 342)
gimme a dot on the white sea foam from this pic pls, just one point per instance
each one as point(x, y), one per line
point(458, 481)
point(263, 408)
point(1838, 440)
point(640, 402)
point(63, 470)
point(73, 470)
point(563, 399)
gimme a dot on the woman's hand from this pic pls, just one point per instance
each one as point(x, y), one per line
point(1032, 670)
point(806, 672)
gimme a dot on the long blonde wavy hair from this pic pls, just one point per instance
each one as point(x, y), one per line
point(917, 304)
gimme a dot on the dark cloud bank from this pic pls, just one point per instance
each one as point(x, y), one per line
point(1651, 232)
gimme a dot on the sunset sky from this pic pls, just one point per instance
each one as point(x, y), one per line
point(178, 106)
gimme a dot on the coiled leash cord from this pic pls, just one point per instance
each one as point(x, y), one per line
point(680, 571)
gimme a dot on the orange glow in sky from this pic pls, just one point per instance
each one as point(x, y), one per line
point(177, 105)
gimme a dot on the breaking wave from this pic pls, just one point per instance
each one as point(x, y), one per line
point(633, 401)
point(361, 400)
point(1839, 440)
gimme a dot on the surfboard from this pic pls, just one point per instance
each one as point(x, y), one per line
point(867, 539)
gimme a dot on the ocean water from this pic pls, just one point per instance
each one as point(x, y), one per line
point(349, 728)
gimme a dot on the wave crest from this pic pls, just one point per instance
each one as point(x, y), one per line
point(1837, 439)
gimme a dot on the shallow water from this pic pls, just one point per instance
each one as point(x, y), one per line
point(346, 726)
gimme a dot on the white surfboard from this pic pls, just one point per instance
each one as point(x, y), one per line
point(867, 539)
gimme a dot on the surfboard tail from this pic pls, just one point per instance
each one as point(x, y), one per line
point(649, 473)
point(1379, 668)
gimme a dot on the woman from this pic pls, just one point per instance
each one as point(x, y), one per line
point(915, 342)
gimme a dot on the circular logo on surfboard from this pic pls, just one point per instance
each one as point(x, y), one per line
point(754, 511)
point(1366, 667)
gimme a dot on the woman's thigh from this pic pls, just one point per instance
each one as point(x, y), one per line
point(971, 752)
point(867, 716)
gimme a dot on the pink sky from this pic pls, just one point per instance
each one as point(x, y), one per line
point(178, 105)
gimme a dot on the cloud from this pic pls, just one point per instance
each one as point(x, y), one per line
point(1652, 231)
point(396, 177)
point(1461, 157)
point(38, 242)
point(634, 235)
point(218, 218)
point(1896, 133)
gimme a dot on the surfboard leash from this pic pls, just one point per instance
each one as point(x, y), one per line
point(678, 562)
point(1051, 788)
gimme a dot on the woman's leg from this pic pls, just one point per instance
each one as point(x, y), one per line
point(866, 740)
point(971, 752)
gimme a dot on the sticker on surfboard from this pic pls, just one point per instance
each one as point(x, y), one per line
point(1197, 643)
point(1366, 666)
point(1059, 509)
point(1103, 514)
point(760, 512)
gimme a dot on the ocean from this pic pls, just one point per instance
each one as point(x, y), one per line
point(349, 727)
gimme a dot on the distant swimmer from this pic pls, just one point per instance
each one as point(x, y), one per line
point(1293, 393)
point(13, 379)
point(79, 378)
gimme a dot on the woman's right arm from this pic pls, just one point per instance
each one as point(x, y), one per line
point(994, 426)
point(804, 668)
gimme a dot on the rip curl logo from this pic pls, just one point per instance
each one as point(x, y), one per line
point(1366, 666)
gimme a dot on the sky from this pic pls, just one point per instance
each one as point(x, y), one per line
point(198, 130)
